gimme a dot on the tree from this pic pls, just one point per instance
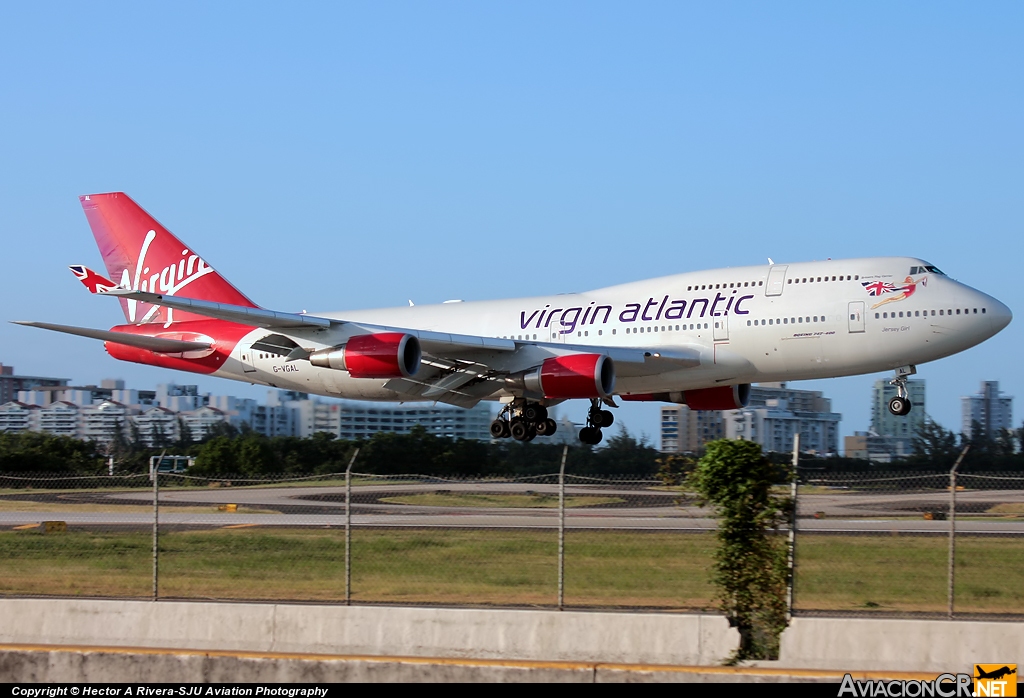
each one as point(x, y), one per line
point(935, 446)
point(750, 563)
point(184, 435)
point(674, 469)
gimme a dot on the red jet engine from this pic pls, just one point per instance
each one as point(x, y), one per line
point(726, 397)
point(382, 355)
point(573, 376)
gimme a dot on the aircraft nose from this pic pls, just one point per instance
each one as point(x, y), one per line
point(999, 314)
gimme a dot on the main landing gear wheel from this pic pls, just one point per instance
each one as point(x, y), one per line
point(596, 419)
point(499, 429)
point(519, 429)
point(535, 413)
point(547, 427)
point(590, 436)
point(901, 405)
point(523, 421)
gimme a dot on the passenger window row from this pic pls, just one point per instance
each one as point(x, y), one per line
point(629, 330)
point(788, 320)
point(712, 287)
point(924, 313)
point(811, 279)
point(664, 328)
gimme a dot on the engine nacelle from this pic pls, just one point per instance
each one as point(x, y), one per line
point(381, 355)
point(573, 376)
point(726, 397)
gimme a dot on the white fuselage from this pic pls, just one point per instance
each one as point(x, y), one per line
point(749, 324)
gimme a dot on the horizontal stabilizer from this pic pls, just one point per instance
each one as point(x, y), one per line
point(158, 344)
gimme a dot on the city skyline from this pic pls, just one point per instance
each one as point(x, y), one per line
point(780, 407)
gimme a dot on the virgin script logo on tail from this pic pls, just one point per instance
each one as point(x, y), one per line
point(168, 281)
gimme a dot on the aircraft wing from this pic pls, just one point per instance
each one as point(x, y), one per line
point(466, 379)
point(273, 319)
point(157, 344)
point(456, 369)
point(258, 317)
point(652, 360)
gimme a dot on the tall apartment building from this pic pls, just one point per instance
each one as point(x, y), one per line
point(359, 420)
point(989, 409)
point(686, 431)
point(891, 436)
point(773, 415)
point(884, 422)
point(11, 383)
point(776, 413)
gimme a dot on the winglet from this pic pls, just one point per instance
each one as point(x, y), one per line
point(91, 280)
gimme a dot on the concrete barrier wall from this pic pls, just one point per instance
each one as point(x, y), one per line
point(107, 665)
point(484, 634)
point(894, 644)
point(632, 638)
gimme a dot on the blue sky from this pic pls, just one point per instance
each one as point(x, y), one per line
point(339, 155)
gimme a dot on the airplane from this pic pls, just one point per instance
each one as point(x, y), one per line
point(697, 338)
point(995, 674)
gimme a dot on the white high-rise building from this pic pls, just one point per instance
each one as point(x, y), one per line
point(989, 409)
point(772, 416)
point(776, 413)
point(885, 423)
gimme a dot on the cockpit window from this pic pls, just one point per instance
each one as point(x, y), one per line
point(926, 269)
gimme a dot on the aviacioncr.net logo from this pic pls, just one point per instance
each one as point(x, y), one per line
point(942, 686)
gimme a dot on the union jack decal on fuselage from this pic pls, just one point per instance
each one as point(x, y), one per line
point(881, 288)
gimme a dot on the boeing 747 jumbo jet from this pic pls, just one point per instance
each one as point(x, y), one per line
point(699, 338)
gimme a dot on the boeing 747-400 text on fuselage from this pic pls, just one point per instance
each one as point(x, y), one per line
point(699, 338)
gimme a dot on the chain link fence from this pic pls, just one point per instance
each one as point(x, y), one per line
point(865, 543)
point(883, 543)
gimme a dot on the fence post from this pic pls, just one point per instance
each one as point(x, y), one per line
point(952, 524)
point(561, 530)
point(791, 557)
point(155, 474)
point(348, 529)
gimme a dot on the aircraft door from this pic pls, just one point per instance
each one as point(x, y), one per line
point(776, 280)
point(856, 314)
point(247, 355)
point(721, 333)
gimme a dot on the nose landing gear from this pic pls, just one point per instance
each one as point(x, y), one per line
point(523, 421)
point(596, 420)
point(901, 405)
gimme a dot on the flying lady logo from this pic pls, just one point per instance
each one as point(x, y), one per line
point(168, 281)
point(877, 289)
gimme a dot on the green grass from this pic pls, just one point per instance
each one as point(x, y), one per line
point(502, 567)
point(908, 573)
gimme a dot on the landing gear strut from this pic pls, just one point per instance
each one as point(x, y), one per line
point(523, 421)
point(596, 420)
point(901, 405)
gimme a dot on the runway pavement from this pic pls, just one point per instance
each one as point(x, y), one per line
point(640, 509)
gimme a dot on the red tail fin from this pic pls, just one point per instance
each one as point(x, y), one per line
point(141, 254)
